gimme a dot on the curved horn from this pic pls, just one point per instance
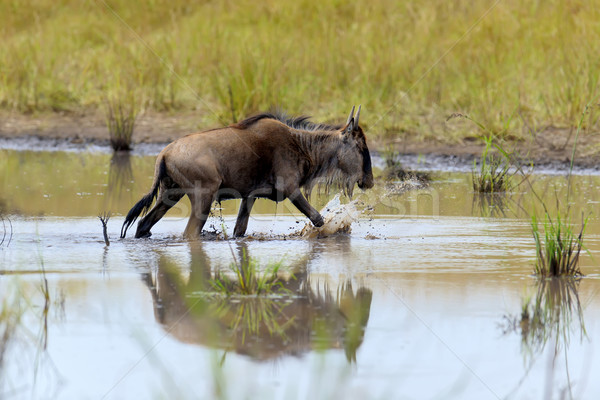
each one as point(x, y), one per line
point(356, 117)
point(350, 116)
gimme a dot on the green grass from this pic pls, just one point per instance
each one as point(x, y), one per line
point(492, 173)
point(557, 254)
point(409, 63)
point(248, 278)
point(557, 246)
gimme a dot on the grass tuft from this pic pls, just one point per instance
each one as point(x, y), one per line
point(248, 279)
point(121, 113)
point(557, 247)
point(492, 173)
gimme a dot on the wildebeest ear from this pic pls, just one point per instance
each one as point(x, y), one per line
point(349, 128)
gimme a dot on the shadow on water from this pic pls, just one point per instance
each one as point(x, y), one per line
point(299, 318)
point(550, 317)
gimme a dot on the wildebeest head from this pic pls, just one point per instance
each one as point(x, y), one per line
point(355, 159)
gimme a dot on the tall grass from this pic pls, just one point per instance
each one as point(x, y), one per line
point(233, 58)
point(558, 253)
point(558, 247)
point(492, 173)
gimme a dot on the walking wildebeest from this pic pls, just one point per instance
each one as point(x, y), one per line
point(267, 155)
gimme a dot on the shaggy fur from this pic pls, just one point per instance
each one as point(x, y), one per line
point(268, 155)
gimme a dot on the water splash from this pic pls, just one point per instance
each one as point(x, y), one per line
point(337, 217)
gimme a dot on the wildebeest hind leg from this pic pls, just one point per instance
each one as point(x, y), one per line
point(243, 215)
point(163, 204)
point(200, 211)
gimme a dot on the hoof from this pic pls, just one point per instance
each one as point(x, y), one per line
point(143, 235)
point(318, 222)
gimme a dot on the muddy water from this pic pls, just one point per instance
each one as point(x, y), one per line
point(423, 298)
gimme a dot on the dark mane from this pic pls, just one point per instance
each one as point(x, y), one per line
point(301, 122)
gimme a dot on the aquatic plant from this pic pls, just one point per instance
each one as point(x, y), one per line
point(121, 113)
point(558, 253)
point(491, 174)
point(558, 248)
point(248, 279)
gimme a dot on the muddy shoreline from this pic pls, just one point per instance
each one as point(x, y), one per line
point(550, 150)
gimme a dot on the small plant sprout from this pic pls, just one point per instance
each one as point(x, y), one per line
point(492, 174)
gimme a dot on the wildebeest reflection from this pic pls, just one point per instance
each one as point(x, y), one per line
point(260, 327)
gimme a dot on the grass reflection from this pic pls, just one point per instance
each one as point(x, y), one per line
point(550, 316)
point(294, 319)
point(490, 205)
point(120, 178)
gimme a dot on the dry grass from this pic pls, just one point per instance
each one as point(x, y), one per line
point(492, 173)
point(121, 113)
point(538, 61)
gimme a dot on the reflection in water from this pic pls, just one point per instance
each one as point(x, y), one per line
point(22, 312)
point(120, 177)
point(489, 205)
point(6, 230)
point(550, 317)
point(297, 319)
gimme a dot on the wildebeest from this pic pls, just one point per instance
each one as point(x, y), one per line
point(267, 155)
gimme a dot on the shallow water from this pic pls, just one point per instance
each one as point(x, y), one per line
point(422, 299)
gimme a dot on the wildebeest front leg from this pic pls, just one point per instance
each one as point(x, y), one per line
point(243, 215)
point(304, 206)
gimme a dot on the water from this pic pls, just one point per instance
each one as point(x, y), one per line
point(422, 298)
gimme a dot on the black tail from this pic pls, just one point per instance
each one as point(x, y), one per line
point(142, 206)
